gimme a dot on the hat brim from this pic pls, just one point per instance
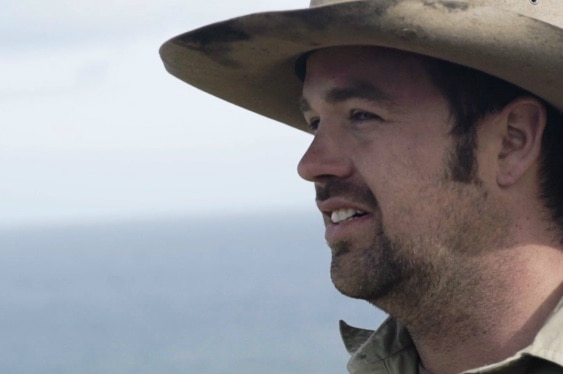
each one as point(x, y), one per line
point(250, 60)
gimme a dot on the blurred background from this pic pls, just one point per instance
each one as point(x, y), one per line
point(146, 226)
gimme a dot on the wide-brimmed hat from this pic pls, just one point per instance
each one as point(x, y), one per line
point(250, 60)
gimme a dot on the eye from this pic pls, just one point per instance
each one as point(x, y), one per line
point(362, 115)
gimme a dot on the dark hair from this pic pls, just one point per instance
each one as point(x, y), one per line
point(471, 96)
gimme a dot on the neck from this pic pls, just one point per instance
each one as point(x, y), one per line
point(486, 315)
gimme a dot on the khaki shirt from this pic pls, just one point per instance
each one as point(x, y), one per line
point(390, 350)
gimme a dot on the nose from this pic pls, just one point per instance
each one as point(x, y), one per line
point(325, 158)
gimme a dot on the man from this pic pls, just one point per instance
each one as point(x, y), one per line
point(436, 160)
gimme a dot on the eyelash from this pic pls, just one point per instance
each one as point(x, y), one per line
point(353, 116)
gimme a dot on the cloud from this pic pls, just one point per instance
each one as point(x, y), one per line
point(93, 126)
point(56, 22)
point(26, 23)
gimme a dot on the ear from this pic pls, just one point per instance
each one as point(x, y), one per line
point(523, 122)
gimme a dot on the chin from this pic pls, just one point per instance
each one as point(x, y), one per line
point(358, 284)
point(347, 288)
point(368, 272)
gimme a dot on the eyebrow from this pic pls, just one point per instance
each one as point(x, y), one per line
point(356, 90)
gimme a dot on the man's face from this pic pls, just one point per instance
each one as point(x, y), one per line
point(395, 220)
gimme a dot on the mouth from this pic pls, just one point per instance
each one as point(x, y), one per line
point(346, 224)
point(349, 210)
point(345, 214)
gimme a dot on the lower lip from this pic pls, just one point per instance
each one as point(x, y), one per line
point(347, 229)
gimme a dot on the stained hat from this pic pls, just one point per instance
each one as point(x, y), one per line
point(250, 60)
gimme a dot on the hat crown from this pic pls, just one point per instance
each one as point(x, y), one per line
point(550, 11)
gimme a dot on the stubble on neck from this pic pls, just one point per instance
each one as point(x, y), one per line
point(453, 300)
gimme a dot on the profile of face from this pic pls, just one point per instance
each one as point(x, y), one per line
point(396, 221)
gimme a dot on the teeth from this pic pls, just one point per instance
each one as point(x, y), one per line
point(341, 215)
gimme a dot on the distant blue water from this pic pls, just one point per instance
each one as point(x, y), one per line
point(226, 295)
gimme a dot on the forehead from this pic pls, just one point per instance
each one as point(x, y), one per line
point(397, 75)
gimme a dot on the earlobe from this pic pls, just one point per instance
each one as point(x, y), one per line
point(523, 122)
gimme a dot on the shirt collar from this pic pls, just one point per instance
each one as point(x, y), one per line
point(377, 351)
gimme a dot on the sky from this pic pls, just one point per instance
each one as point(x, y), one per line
point(94, 129)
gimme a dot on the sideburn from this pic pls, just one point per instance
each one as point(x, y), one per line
point(462, 166)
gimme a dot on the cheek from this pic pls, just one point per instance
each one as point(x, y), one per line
point(398, 166)
point(406, 184)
